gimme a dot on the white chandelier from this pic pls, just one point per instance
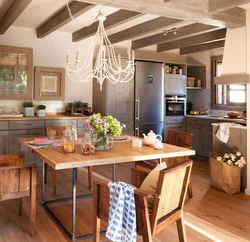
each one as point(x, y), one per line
point(106, 66)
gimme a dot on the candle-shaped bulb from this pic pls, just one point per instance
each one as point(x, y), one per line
point(104, 51)
point(129, 54)
point(78, 53)
point(68, 53)
point(119, 60)
point(133, 56)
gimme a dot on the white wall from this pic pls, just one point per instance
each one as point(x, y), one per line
point(51, 51)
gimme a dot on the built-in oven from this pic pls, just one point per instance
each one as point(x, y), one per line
point(175, 105)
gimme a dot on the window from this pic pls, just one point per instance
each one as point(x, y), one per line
point(225, 96)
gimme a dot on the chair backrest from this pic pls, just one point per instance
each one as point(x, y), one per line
point(181, 139)
point(59, 130)
point(172, 189)
point(16, 180)
point(11, 160)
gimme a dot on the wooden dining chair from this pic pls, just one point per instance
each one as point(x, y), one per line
point(59, 132)
point(18, 180)
point(177, 138)
point(167, 206)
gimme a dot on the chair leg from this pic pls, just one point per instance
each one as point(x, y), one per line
point(46, 173)
point(54, 182)
point(96, 219)
point(181, 230)
point(76, 173)
point(20, 206)
point(33, 202)
point(190, 190)
point(90, 177)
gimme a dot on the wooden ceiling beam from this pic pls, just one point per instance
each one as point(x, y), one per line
point(202, 47)
point(62, 18)
point(12, 13)
point(172, 10)
point(216, 6)
point(161, 38)
point(141, 29)
point(112, 20)
point(201, 38)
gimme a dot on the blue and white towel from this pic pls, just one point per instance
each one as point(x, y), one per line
point(122, 214)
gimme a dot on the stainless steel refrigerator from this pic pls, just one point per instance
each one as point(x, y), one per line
point(149, 98)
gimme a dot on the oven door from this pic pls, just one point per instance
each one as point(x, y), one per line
point(175, 108)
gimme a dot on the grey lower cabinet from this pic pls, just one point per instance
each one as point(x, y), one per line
point(202, 135)
point(173, 123)
point(198, 138)
point(4, 127)
point(4, 137)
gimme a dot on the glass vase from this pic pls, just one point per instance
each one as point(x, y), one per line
point(103, 141)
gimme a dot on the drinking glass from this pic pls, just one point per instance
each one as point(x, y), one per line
point(52, 134)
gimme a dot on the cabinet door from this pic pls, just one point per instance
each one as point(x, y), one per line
point(208, 140)
point(197, 143)
point(175, 84)
point(3, 142)
point(14, 146)
point(177, 127)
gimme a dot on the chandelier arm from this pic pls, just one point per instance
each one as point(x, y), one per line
point(107, 65)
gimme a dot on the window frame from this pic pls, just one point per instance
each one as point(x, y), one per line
point(215, 106)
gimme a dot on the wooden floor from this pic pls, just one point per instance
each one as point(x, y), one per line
point(210, 216)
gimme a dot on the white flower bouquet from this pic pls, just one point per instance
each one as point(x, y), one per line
point(231, 159)
point(225, 172)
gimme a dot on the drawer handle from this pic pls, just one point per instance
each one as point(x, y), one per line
point(175, 119)
point(27, 124)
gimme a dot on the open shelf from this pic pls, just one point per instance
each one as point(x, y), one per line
point(195, 88)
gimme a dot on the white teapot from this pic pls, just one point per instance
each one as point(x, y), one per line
point(151, 138)
point(158, 145)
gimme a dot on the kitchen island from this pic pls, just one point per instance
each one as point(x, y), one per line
point(237, 142)
point(201, 128)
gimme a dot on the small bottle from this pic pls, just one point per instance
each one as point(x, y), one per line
point(74, 129)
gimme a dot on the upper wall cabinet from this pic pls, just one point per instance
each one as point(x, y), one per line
point(16, 65)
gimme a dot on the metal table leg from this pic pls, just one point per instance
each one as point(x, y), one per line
point(113, 173)
point(71, 235)
point(74, 204)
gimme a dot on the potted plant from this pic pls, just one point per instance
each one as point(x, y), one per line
point(28, 108)
point(41, 110)
point(244, 113)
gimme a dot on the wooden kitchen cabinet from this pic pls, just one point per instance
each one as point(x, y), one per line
point(173, 123)
point(202, 134)
point(207, 140)
point(198, 138)
point(4, 126)
point(3, 142)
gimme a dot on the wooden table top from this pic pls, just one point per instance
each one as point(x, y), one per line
point(121, 152)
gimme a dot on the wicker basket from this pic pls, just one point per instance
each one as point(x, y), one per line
point(190, 81)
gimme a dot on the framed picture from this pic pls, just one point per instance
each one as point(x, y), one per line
point(49, 83)
point(16, 71)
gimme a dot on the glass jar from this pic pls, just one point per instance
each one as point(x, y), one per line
point(103, 141)
point(87, 147)
point(68, 141)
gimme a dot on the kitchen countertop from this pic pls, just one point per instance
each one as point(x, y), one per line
point(214, 117)
point(47, 117)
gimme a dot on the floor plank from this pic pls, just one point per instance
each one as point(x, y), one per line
point(210, 216)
